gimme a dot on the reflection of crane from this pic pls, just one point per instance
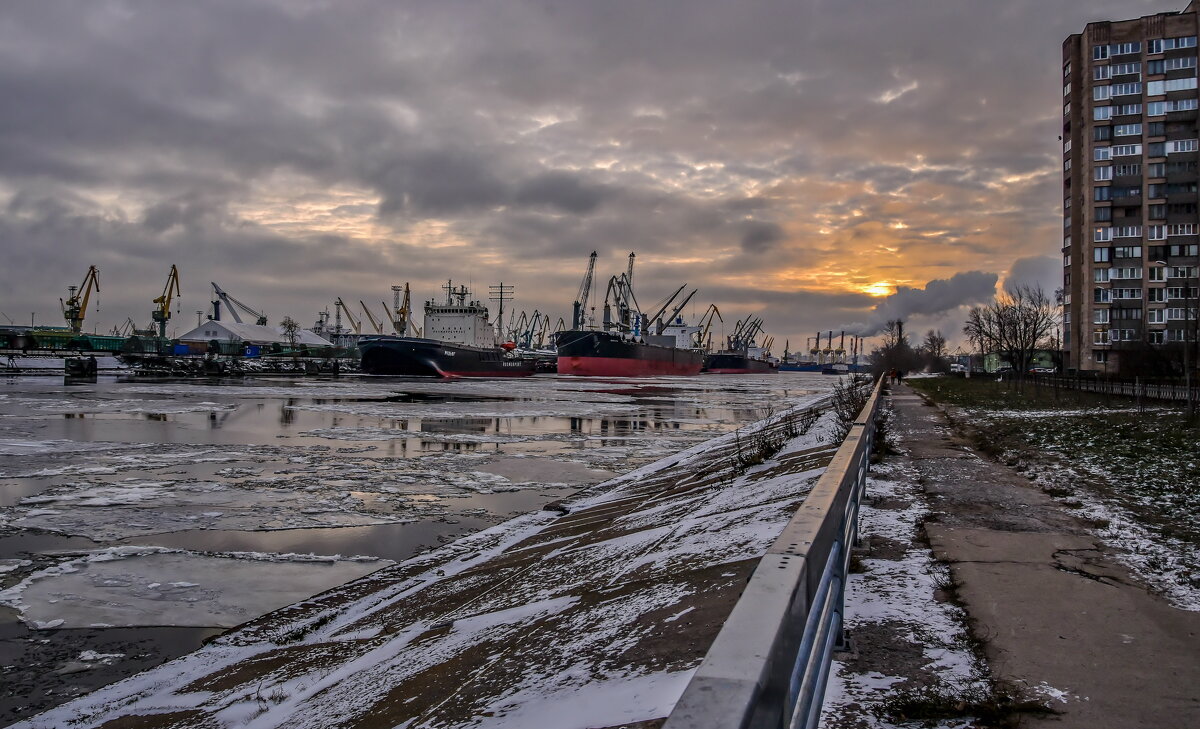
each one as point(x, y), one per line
point(162, 314)
point(377, 324)
point(579, 309)
point(355, 324)
point(75, 307)
point(232, 305)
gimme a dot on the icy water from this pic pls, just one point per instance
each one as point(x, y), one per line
point(139, 518)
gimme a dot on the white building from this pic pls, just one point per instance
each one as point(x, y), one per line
point(227, 331)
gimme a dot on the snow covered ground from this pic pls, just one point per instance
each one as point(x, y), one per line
point(591, 614)
point(195, 471)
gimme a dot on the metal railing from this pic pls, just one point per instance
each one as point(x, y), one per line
point(769, 664)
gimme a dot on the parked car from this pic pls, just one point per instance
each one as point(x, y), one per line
point(956, 367)
point(1042, 370)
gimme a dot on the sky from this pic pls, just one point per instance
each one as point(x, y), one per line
point(826, 164)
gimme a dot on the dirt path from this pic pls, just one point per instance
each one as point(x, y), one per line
point(1053, 606)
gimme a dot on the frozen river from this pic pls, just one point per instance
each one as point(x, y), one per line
point(138, 518)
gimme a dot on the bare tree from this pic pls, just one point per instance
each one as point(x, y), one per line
point(290, 329)
point(894, 353)
point(933, 349)
point(1015, 325)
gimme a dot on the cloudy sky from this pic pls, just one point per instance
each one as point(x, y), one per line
point(822, 163)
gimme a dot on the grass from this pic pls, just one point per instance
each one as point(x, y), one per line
point(986, 392)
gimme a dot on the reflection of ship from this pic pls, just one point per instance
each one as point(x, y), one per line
point(743, 356)
point(621, 348)
point(461, 343)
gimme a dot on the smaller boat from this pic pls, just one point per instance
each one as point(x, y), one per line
point(743, 356)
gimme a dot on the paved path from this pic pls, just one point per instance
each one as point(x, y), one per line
point(1050, 601)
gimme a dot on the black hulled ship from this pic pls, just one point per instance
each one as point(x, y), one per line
point(460, 342)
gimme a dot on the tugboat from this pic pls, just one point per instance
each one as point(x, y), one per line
point(460, 342)
point(742, 356)
point(624, 346)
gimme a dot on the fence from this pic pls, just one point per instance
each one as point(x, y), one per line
point(769, 664)
point(1150, 389)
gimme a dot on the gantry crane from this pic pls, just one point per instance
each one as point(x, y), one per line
point(162, 314)
point(403, 311)
point(232, 305)
point(75, 306)
point(355, 324)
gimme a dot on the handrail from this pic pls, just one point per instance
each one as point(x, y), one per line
point(769, 663)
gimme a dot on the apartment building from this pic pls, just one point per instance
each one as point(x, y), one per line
point(1131, 229)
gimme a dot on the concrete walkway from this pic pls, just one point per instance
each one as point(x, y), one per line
point(1052, 605)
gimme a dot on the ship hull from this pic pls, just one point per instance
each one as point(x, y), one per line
point(603, 354)
point(737, 363)
point(415, 357)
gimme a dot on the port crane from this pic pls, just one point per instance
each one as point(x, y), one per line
point(75, 306)
point(659, 324)
point(232, 305)
point(162, 314)
point(378, 325)
point(403, 308)
point(579, 308)
point(355, 324)
point(705, 323)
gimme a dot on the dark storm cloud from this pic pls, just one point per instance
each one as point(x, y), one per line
point(304, 149)
point(937, 296)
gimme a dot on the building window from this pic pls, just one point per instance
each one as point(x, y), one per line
point(1100, 275)
point(1156, 296)
point(1183, 250)
point(1101, 234)
point(1179, 188)
point(1102, 134)
point(1126, 192)
point(1101, 296)
point(1181, 229)
point(1156, 108)
point(1158, 274)
point(1181, 272)
point(1181, 145)
point(1181, 104)
point(1127, 109)
point(1100, 194)
point(1101, 73)
point(1103, 215)
point(1127, 130)
point(1156, 316)
point(1156, 190)
point(1127, 170)
point(1122, 49)
point(1127, 252)
point(1157, 211)
point(1099, 53)
point(1101, 255)
point(1126, 150)
point(1156, 169)
point(1100, 338)
point(1101, 93)
point(1125, 273)
point(1100, 316)
point(1131, 88)
point(1158, 88)
point(1182, 208)
point(1157, 149)
point(1187, 166)
point(1156, 337)
point(1156, 232)
point(1157, 129)
point(1102, 153)
point(1124, 69)
point(1127, 293)
point(1174, 64)
point(1104, 172)
point(1101, 113)
point(1128, 231)
point(1102, 356)
point(1155, 68)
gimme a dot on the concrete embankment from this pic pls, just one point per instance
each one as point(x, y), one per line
point(593, 613)
point(1052, 605)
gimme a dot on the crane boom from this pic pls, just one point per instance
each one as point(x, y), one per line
point(378, 325)
point(355, 324)
point(579, 310)
point(232, 305)
point(675, 312)
point(162, 314)
point(75, 307)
